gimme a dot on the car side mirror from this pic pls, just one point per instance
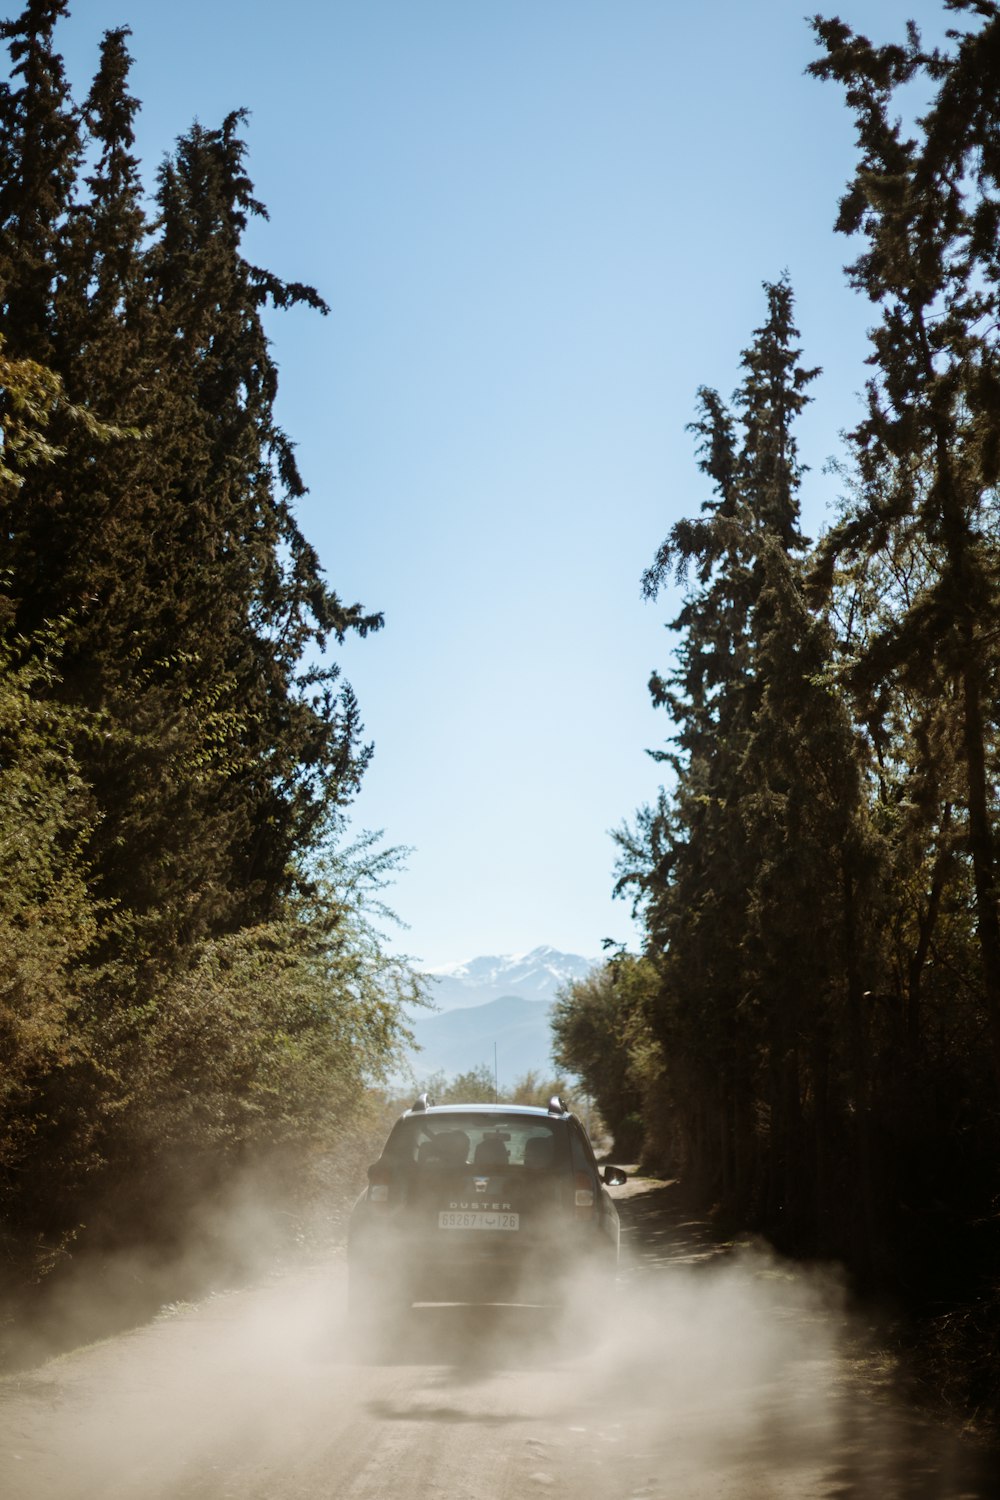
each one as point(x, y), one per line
point(614, 1176)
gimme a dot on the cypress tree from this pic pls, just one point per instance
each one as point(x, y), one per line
point(927, 453)
point(188, 974)
point(39, 152)
point(243, 594)
point(748, 873)
point(92, 533)
point(196, 612)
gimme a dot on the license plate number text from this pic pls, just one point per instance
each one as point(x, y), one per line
point(450, 1218)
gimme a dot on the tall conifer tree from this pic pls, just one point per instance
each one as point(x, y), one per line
point(928, 206)
point(245, 596)
point(746, 872)
point(39, 153)
point(188, 973)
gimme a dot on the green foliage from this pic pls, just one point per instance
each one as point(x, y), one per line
point(163, 529)
point(536, 1090)
point(477, 1086)
point(270, 1039)
point(926, 205)
point(818, 1041)
point(194, 976)
point(753, 874)
point(474, 1086)
point(598, 1024)
point(47, 919)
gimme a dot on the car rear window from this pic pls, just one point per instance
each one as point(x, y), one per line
point(478, 1141)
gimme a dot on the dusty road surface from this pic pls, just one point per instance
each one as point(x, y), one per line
point(707, 1375)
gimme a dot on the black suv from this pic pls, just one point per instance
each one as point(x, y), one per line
point(481, 1203)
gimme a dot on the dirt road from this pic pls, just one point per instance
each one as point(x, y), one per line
point(708, 1375)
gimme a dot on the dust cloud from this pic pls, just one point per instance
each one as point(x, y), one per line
point(704, 1374)
point(230, 1238)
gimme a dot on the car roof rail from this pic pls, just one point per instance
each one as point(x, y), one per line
point(556, 1106)
point(424, 1101)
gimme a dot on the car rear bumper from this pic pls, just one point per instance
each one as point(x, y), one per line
point(457, 1266)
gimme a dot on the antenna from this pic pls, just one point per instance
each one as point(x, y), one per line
point(496, 1081)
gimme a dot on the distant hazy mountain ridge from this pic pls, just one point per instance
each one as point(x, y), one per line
point(502, 1001)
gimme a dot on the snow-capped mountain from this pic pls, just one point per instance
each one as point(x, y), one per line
point(495, 1006)
point(531, 976)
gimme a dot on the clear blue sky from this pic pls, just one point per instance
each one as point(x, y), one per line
point(541, 225)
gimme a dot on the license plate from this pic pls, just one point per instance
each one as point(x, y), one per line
point(450, 1219)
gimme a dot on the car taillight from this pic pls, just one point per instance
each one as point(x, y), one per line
point(379, 1178)
point(583, 1195)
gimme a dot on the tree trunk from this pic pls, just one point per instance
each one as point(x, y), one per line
point(981, 842)
point(928, 922)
